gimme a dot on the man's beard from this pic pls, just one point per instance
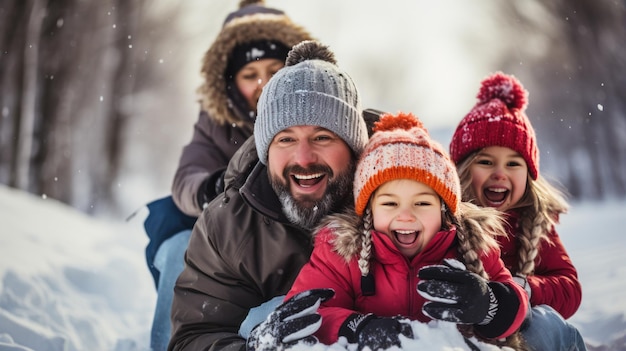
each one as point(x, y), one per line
point(307, 212)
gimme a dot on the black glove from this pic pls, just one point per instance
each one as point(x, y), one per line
point(456, 295)
point(210, 187)
point(293, 321)
point(375, 332)
point(219, 183)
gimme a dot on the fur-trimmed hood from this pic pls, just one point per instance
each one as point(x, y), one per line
point(346, 227)
point(252, 27)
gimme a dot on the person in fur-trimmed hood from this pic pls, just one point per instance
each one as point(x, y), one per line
point(410, 250)
point(251, 47)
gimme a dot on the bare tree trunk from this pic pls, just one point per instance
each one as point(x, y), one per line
point(54, 158)
point(123, 87)
point(28, 103)
point(12, 33)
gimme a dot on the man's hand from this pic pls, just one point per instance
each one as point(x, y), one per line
point(294, 321)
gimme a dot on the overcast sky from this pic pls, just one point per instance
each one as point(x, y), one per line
point(426, 57)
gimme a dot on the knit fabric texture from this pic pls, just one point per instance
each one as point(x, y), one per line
point(401, 148)
point(251, 8)
point(498, 119)
point(312, 92)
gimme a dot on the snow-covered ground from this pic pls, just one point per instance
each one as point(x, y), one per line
point(72, 282)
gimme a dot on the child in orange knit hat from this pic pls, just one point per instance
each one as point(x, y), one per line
point(495, 150)
point(410, 250)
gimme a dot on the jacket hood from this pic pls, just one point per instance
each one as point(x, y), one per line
point(239, 30)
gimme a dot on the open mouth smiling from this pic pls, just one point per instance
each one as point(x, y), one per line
point(307, 180)
point(496, 196)
point(405, 237)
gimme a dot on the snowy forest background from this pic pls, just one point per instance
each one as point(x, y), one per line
point(97, 98)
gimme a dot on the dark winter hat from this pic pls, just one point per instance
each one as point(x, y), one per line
point(498, 119)
point(310, 90)
point(252, 22)
point(253, 51)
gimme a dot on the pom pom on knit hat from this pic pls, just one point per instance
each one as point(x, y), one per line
point(251, 7)
point(498, 119)
point(401, 148)
point(310, 91)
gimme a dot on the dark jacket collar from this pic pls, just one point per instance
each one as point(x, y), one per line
point(259, 194)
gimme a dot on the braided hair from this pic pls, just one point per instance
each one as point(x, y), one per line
point(366, 242)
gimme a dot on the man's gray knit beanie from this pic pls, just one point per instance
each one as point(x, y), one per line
point(310, 90)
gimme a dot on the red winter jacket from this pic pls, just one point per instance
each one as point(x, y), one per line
point(555, 281)
point(395, 279)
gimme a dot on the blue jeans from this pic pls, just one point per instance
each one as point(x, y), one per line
point(169, 261)
point(546, 330)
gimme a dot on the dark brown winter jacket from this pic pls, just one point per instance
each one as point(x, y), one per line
point(242, 252)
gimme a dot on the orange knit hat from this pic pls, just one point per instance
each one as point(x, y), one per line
point(401, 148)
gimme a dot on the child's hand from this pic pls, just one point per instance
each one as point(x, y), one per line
point(456, 295)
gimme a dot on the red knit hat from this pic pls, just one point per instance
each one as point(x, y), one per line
point(401, 148)
point(498, 119)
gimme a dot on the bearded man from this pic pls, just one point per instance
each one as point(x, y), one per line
point(251, 241)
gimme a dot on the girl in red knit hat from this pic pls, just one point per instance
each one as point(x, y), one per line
point(495, 150)
point(409, 251)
